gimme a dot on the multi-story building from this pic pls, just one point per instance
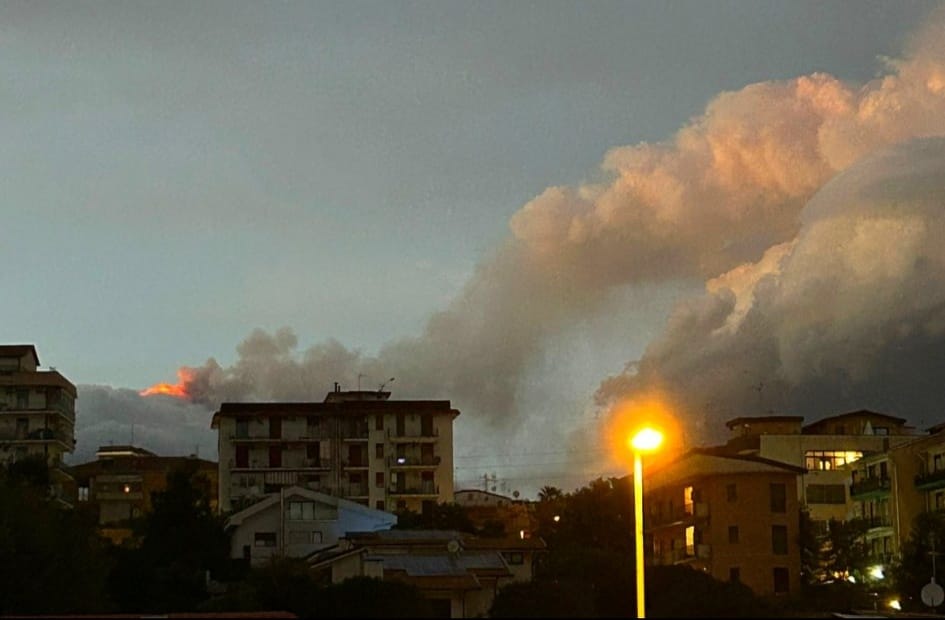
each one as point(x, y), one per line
point(387, 454)
point(825, 448)
point(37, 414)
point(117, 486)
point(734, 517)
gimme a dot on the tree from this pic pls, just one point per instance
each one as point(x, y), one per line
point(914, 569)
point(444, 516)
point(53, 560)
point(180, 542)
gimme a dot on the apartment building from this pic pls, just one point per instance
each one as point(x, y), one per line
point(734, 517)
point(37, 414)
point(359, 445)
point(118, 485)
point(825, 448)
point(889, 489)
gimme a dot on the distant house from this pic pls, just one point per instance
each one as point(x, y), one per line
point(458, 573)
point(118, 485)
point(299, 522)
point(484, 509)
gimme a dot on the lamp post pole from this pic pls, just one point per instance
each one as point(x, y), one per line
point(638, 530)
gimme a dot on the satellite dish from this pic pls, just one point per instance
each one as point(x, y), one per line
point(932, 594)
point(453, 546)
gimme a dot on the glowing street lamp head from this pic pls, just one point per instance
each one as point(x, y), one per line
point(646, 440)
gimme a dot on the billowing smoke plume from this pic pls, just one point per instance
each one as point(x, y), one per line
point(730, 199)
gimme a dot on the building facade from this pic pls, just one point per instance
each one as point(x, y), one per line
point(117, 486)
point(386, 454)
point(37, 415)
point(733, 517)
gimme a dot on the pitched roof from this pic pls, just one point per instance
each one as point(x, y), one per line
point(294, 491)
point(850, 414)
point(764, 418)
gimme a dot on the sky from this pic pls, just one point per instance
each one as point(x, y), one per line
point(375, 175)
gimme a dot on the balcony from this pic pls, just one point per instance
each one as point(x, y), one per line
point(304, 464)
point(681, 556)
point(413, 462)
point(38, 436)
point(424, 490)
point(930, 481)
point(55, 410)
point(686, 514)
point(356, 464)
point(878, 521)
point(404, 436)
point(355, 490)
point(869, 488)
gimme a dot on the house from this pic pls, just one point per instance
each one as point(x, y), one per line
point(486, 509)
point(119, 484)
point(460, 574)
point(298, 522)
point(734, 517)
point(37, 415)
point(391, 455)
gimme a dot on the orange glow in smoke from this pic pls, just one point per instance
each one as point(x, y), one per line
point(178, 390)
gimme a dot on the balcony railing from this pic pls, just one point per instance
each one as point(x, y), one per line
point(686, 554)
point(355, 490)
point(37, 435)
point(356, 464)
point(423, 489)
point(407, 436)
point(869, 487)
point(878, 521)
point(395, 462)
point(686, 513)
point(930, 480)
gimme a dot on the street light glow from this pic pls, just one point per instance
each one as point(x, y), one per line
point(647, 440)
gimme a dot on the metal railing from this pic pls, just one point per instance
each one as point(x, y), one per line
point(870, 485)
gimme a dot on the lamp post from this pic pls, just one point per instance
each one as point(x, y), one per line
point(646, 440)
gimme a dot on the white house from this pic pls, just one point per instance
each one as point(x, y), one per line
point(298, 522)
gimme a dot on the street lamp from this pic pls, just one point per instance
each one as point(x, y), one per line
point(646, 440)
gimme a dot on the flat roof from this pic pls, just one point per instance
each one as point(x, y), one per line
point(18, 350)
point(764, 418)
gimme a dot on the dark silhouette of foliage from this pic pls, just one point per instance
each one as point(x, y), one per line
point(53, 561)
point(445, 516)
point(178, 542)
point(914, 569)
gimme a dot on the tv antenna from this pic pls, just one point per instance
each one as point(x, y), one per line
point(383, 385)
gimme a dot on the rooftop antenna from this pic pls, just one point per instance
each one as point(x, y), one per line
point(383, 385)
point(359, 381)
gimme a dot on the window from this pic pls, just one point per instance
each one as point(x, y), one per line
point(826, 494)
point(515, 558)
point(275, 427)
point(379, 480)
point(316, 537)
point(401, 425)
point(275, 456)
point(731, 493)
point(691, 540)
point(379, 504)
point(937, 462)
point(379, 422)
point(827, 460)
point(778, 497)
point(733, 534)
point(242, 456)
point(940, 500)
point(880, 430)
point(781, 580)
point(426, 425)
point(379, 450)
point(313, 454)
point(265, 539)
point(83, 494)
point(779, 544)
point(242, 429)
point(301, 511)
point(735, 574)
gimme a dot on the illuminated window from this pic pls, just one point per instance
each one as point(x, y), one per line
point(687, 500)
point(824, 460)
point(691, 540)
point(83, 494)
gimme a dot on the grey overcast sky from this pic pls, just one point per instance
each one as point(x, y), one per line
point(175, 174)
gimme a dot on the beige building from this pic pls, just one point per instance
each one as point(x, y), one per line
point(118, 485)
point(386, 454)
point(824, 448)
point(734, 517)
point(37, 414)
